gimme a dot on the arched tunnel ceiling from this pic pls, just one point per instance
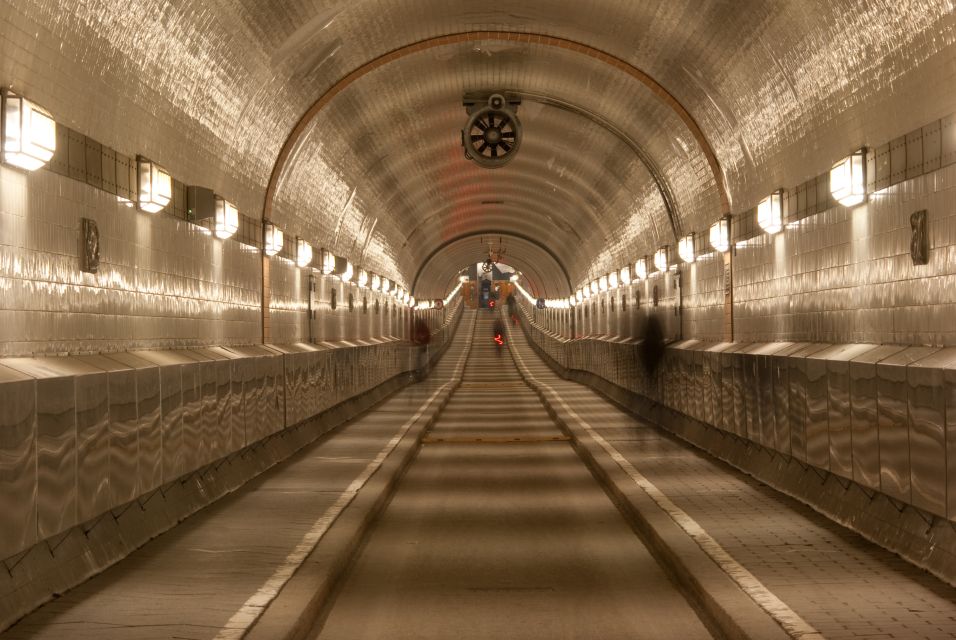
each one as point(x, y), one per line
point(213, 89)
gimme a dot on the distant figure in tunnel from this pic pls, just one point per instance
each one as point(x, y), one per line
point(512, 309)
point(421, 336)
point(498, 332)
point(652, 345)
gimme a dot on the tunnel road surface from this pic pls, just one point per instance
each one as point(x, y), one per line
point(498, 530)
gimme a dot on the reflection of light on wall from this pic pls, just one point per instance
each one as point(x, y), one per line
point(860, 221)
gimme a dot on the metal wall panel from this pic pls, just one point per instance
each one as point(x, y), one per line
point(927, 421)
point(56, 455)
point(205, 449)
point(840, 406)
point(780, 372)
point(18, 464)
point(797, 403)
point(171, 408)
point(150, 428)
point(124, 426)
point(864, 418)
point(817, 418)
point(949, 378)
point(92, 445)
point(893, 420)
point(192, 415)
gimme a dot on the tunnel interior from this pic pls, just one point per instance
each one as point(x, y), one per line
point(221, 222)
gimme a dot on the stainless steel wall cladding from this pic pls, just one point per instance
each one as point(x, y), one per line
point(161, 281)
point(18, 477)
point(930, 403)
point(82, 435)
point(864, 393)
point(883, 416)
point(846, 275)
point(893, 416)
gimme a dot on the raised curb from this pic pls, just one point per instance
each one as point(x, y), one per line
point(725, 608)
point(304, 598)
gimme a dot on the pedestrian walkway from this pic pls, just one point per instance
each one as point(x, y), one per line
point(838, 583)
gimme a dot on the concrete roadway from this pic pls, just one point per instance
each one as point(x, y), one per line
point(498, 530)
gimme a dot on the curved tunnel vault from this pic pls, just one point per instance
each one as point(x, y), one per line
point(293, 148)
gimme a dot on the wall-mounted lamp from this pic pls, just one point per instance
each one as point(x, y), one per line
point(640, 268)
point(303, 253)
point(595, 287)
point(602, 283)
point(273, 238)
point(770, 212)
point(848, 179)
point(720, 234)
point(155, 186)
point(386, 285)
point(348, 272)
point(612, 280)
point(29, 133)
point(411, 302)
point(578, 295)
point(625, 275)
point(572, 300)
point(660, 259)
point(376, 282)
point(363, 278)
point(685, 248)
point(227, 219)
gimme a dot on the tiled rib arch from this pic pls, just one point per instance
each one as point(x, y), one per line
point(474, 36)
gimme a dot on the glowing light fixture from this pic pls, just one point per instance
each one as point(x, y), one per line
point(514, 277)
point(386, 285)
point(463, 278)
point(328, 262)
point(660, 259)
point(595, 287)
point(578, 295)
point(612, 280)
point(685, 248)
point(227, 219)
point(625, 275)
point(363, 278)
point(720, 235)
point(348, 273)
point(29, 133)
point(155, 186)
point(572, 300)
point(640, 268)
point(602, 283)
point(848, 179)
point(303, 253)
point(411, 301)
point(406, 297)
point(274, 239)
point(770, 212)
point(376, 282)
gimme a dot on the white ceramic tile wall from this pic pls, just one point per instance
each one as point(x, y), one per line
point(846, 275)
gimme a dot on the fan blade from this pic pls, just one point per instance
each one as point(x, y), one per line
point(506, 146)
point(494, 151)
point(481, 149)
point(475, 137)
point(508, 134)
point(491, 119)
point(480, 124)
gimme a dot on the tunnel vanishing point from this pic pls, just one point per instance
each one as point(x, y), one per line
point(434, 319)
